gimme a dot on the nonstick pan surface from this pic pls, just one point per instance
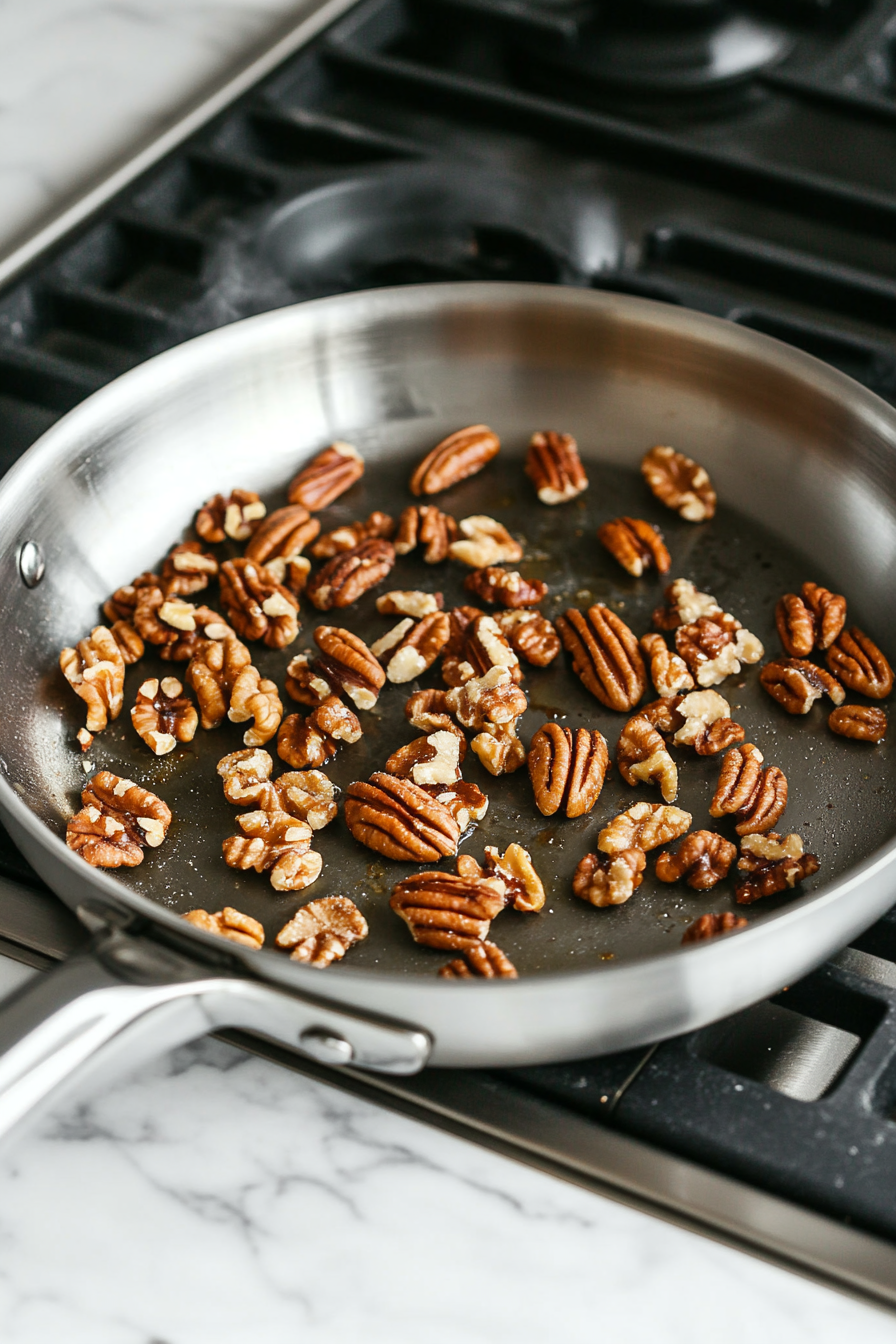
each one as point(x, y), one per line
point(799, 455)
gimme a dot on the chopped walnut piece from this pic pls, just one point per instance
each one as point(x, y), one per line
point(122, 604)
point(446, 910)
point(484, 702)
point(346, 664)
point(129, 642)
point(409, 603)
point(756, 797)
point(484, 648)
point(425, 525)
point(637, 545)
point(308, 795)
point(499, 749)
point(796, 684)
point(85, 739)
point(829, 611)
point(305, 681)
point(400, 819)
point(609, 879)
point(642, 757)
point(284, 534)
point(350, 535)
point(350, 574)
point(310, 742)
point(235, 516)
point(163, 716)
point(680, 483)
point(213, 672)
point(322, 931)
point(554, 466)
point(796, 625)
point(461, 454)
point(254, 697)
point(524, 889)
point(668, 672)
point(187, 569)
point(567, 769)
point(434, 759)
point(505, 587)
point(94, 669)
point(327, 476)
point(412, 647)
point(664, 714)
point(863, 723)
point(177, 627)
point(228, 923)
point(530, 635)
point(483, 959)
point(708, 726)
point(485, 542)
point(277, 844)
point(859, 664)
point(710, 926)
point(429, 710)
point(117, 819)
point(703, 859)
point(246, 775)
point(685, 605)
point(774, 863)
point(605, 655)
point(257, 606)
point(715, 648)
point(465, 801)
point(643, 826)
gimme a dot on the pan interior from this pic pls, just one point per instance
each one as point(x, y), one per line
point(121, 496)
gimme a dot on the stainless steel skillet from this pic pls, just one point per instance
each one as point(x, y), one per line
point(803, 459)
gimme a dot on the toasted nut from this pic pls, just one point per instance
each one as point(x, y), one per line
point(462, 454)
point(257, 605)
point(94, 669)
point(310, 742)
point(859, 664)
point(128, 641)
point(327, 476)
point(757, 797)
point(643, 826)
point(829, 611)
point(486, 648)
point(643, 759)
point(236, 516)
point(679, 483)
point(347, 664)
point(416, 648)
point(305, 681)
point(499, 749)
point(409, 602)
point(213, 672)
point(797, 684)
point(707, 726)
point(485, 542)
point(863, 723)
point(710, 926)
point(636, 544)
point(85, 739)
point(796, 625)
point(178, 628)
point(349, 536)
point(523, 888)
point(567, 770)
point(554, 465)
point(117, 819)
point(684, 605)
point(609, 879)
point(163, 716)
point(246, 775)
point(715, 647)
point(434, 759)
point(278, 544)
point(254, 697)
point(484, 702)
point(350, 574)
point(774, 864)
point(277, 844)
point(308, 795)
point(772, 846)
point(228, 923)
point(425, 525)
point(664, 714)
point(530, 635)
point(322, 931)
point(429, 710)
point(400, 819)
point(483, 959)
point(605, 655)
point(668, 672)
point(187, 569)
point(460, 619)
point(505, 588)
point(123, 602)
point(465, 801)
point(446, 910)
point(703, 859)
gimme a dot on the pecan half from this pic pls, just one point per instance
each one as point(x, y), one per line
point(484, 542)
point(860, 665)
point(409, 602)
point(409, 649)
point(609, 879)
point(462, 454)
point(425, 525)
point(117, 819)
point(605, 655)
point(483, 959)
point(187, 569)
point(163, 716)
point(254, 697)
point(863, 723)
point(567, 769)
point(350, 574)
point(636, 544)
point(322, 931)
point(710, 926)
point(400, 819)
point(350, 535)
point(668, 672)
point(796, 626)
point(460, 619)
point(505, 587)
point(257, 606)
point(755, 796)
point(228, 923)
point(643, 826)
point(530, 635)
point(346, 663)
point(327, 476)
point(797, 684)
point(829, 611)
point(429, 710)
point(643, 759)
point(680, 483)
point(774, 864)
point(277, 844)
point(707, 726)
point(278, 544)
point(94, 669)
point(236, 516)
point(482, 703)
point(554, 465)
point(305, 681)
point(703, 859)
point(447, 910)
point(310, 742)
point(434, 759)
point(213, 673)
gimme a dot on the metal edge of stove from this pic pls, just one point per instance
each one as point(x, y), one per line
point(263, 60)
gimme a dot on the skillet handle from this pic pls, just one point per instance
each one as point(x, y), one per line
point(84, 1020)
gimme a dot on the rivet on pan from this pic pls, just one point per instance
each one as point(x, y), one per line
point(31, 563)
point(326, 1047)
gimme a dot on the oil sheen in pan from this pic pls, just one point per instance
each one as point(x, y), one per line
point(842, 794)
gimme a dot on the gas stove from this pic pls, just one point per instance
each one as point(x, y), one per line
point(735, 158)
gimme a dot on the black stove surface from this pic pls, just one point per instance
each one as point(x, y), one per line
point(739, 159)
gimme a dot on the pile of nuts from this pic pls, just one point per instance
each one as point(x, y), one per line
point(417, 807)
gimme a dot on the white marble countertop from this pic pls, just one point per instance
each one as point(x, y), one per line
point(217, 1198)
